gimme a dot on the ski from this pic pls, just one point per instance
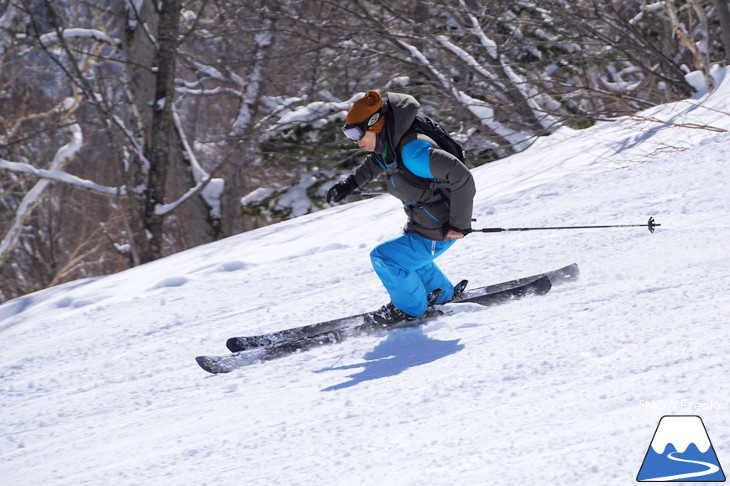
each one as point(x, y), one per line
point(359, 325)
point(235, 344)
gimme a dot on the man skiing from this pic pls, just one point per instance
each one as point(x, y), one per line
point(435, 187)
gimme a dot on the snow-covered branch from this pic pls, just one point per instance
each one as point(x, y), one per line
point(206, 185)
point(314, 113)
point(529, 93)
point(185, 90)
point(61, 176)
point(134, 12)
point(210, 187)
point(33, 197)
point(79, 33)
point(251, 91)
point(466, 57)
point(133, 142)
point(480, 109)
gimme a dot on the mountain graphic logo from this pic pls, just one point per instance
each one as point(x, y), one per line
point(681, 451)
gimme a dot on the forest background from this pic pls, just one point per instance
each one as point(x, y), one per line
point(134, 129)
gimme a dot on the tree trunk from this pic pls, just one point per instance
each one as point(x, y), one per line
point(162, 130)
point(723, 13)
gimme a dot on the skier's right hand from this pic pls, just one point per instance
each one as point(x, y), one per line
point(341, 190)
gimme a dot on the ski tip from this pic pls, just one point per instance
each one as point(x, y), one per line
point(568, 273)
point(203, 363)
point(232, 345)
point(574, 271)
point(209, 365)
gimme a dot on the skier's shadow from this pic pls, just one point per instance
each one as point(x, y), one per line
point(400, 351)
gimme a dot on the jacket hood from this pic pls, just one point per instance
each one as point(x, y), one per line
point(404, 108)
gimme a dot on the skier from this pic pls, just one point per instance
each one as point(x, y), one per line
point(435, 187)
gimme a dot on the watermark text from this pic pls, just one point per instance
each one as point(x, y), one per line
point(685, 406)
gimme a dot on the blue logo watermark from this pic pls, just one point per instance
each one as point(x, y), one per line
point(681, 451)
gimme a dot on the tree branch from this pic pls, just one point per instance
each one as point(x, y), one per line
point(61, 176)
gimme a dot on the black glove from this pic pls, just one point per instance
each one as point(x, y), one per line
point(341, 190)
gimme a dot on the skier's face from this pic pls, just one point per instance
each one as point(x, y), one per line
point(367, 143)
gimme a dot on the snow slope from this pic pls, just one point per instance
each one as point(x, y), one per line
point(99, 384)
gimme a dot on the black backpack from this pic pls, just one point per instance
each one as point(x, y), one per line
point(434, 131)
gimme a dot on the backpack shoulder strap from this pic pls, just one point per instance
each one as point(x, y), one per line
point(413, 179)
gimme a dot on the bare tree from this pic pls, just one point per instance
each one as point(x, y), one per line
point(137, 115)
point(131, 129)
point(723, 16)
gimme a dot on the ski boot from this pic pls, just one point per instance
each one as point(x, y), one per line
point(389, 315)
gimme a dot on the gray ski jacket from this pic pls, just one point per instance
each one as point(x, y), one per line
point(436, 188)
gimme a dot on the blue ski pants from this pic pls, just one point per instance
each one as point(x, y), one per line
point(406, 267)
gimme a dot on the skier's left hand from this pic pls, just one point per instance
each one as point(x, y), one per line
point(341, 190)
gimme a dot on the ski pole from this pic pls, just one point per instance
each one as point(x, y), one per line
point(368, 193)
point(651, 225)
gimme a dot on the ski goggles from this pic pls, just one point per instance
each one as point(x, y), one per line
point(355, 131)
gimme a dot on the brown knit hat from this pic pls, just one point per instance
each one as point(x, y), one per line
point(366, 107)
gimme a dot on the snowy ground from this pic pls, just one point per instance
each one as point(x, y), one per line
point(99, 383)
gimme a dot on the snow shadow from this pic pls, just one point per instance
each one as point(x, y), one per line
point(15, 307)
point(400, 351)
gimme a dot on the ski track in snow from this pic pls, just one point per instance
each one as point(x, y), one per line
point(99, 384)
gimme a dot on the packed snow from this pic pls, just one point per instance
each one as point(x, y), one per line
point(99, 383)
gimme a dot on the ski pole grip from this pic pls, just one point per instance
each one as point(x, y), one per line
point(489, 230)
